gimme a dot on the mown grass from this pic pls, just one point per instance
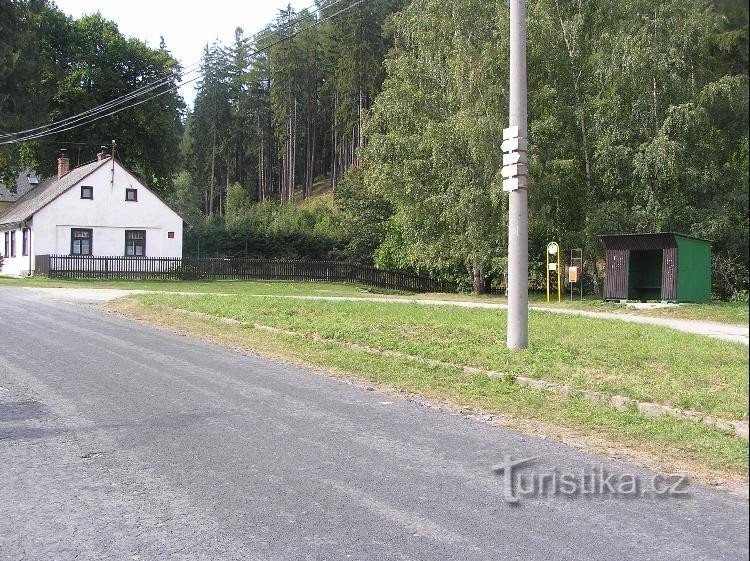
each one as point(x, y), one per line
point(723, 312)
point(216, 287)
point(666, 443)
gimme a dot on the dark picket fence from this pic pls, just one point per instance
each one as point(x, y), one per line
point(165, 268)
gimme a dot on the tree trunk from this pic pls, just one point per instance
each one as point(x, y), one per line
point(261, 180)
point(293, 182)
point(213, 171)
point(477, 278)
point(359, 130)
point(335, 146)
point(577, 91)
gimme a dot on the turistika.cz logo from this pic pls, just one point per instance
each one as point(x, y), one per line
point(591, 481)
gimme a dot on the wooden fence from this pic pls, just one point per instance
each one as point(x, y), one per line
point(166, 268)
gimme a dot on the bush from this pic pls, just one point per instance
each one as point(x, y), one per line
point(269, 231)
point(730, 278)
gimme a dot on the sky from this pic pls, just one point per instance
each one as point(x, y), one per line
point(185, 29)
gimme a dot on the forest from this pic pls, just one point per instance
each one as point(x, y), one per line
point(370, 131)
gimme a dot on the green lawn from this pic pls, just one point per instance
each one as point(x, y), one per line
point(277, 288)
point(725, 312)
point(640, 361)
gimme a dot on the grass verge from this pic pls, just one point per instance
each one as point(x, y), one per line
point(723, 312)
point(280, 288)
point(661, 443)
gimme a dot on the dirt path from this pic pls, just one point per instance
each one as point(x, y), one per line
point(723, 331)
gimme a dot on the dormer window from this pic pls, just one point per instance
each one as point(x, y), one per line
point(87, 192)
point(131, 195)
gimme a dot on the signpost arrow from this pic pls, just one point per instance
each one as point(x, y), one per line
point(515, 158)
point(510, 132)
point(514, 170)
point(515, 183)
point(514, 144)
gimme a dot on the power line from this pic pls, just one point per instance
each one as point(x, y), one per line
point(301, 15)
point(60, 126)
point(64, 124)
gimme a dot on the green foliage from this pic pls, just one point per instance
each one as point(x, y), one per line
point(268, 230)
point(364, 216)
point(186, 197)
point(52, 66)
point(432, 147)
point(638, 122)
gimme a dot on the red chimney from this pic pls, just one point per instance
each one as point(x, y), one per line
point(63, 165)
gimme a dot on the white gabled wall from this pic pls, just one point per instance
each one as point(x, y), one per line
point(108, 215)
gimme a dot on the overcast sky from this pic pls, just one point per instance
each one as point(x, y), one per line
point(185, 29)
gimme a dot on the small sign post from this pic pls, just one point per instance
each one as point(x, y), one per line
point(515, 147)
point(554, 266)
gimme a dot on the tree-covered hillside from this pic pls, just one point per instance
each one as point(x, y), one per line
point(638, 122)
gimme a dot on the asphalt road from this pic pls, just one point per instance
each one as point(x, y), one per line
point(122, 442)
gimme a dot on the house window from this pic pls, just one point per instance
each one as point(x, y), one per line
point(131, 195)
point(135, 243)
point(25, 244)
point(87, 192)
point(12, 243)
point(7, 244)
point(170, 235)
point(80, 241)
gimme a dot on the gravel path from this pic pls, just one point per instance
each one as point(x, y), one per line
point(725, 332)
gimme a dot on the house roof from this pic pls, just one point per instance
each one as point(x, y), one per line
point(46, 192)
point(25, 182)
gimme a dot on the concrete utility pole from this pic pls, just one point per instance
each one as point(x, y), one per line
point(518, 209)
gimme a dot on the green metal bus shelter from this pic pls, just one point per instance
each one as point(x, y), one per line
point(667, 267)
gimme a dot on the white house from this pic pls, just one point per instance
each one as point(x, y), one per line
point(98, 209)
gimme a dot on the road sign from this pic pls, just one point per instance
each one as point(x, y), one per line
point(510, 132)
point(514, 144)
point(515, 183)
point(554, 266)
point(514, 171)
point(515, 158)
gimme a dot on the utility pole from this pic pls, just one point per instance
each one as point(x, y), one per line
point(515, 162)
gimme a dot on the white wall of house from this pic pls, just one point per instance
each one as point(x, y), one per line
point(21, 264)
point(108, 215)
